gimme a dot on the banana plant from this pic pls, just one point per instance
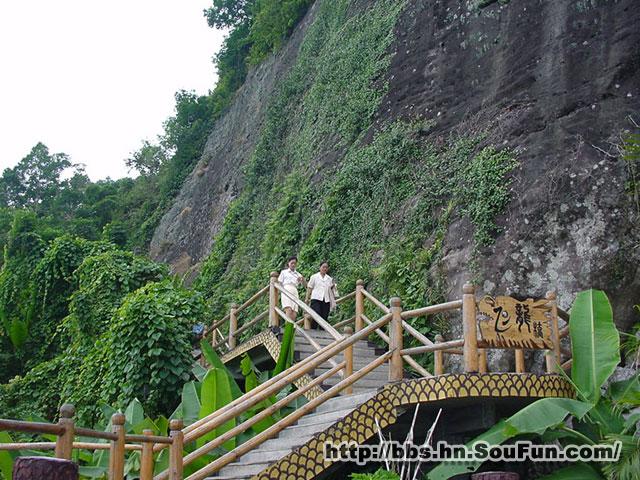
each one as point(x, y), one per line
point(596, 417)
point(285, 358)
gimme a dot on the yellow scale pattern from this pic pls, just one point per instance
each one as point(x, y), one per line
point(307, 461)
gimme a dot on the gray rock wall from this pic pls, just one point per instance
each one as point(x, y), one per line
point(185, 233)
point(557, 81)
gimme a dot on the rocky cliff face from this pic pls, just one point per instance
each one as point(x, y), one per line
point(185, 234)
point(557, 82)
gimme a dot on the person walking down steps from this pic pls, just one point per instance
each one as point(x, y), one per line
point(323, 292)
point(290, 280)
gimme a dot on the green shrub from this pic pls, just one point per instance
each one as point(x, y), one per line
point(147, 348)
point(115, 232)
point(486, 191)
point(53, 282)
point(273, 22)
point(25, 246)
point(36, 394)
point(103, 281)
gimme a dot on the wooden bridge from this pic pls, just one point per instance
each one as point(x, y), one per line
point(354, 388)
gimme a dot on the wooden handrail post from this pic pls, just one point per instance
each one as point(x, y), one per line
point(116, 452)
point(146, 459)
point(214, 340)
point(64, 442)
point(359, 323)
point(233, 325)
point(273, 300)
point(469, 328)
point(519, 353)
point(438, 358)
point(554, 358)
point(396, 371)
point(348, 359)
point(550, 361)
point(482, 360)
point(175, 454)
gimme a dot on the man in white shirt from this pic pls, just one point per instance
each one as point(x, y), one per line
point(322, 290)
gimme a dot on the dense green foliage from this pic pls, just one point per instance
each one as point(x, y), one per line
point(103, 281)
point(52, 285)
point(92, 311)
point(259, 26)
point(149, 344)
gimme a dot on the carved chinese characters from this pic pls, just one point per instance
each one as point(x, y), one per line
point(505, 322)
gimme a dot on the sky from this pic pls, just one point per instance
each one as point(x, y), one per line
point(93, 79)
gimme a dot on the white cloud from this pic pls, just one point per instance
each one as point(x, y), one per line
point(93, 79)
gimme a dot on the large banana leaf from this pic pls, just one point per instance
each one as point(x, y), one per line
point(6, 458)
point(134, 415)
point(535, 418)
point(626, 392)
point(251, 381)
point(249, 373)
point(88, 471)
point(215, 394)
point(595, 343)
point(190, 403)
point(213, 359)
point(286, 348)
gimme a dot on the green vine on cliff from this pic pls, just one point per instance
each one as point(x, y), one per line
point(381, 210)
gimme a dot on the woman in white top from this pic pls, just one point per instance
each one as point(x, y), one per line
point(323, 292)
point(290, 279)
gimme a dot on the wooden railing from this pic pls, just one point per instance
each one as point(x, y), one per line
point(342, 344)
point(393, 318)
point(118, 442)
point(473, 351)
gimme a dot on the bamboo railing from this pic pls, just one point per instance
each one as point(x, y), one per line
point(394, 318)
point(119, 442)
